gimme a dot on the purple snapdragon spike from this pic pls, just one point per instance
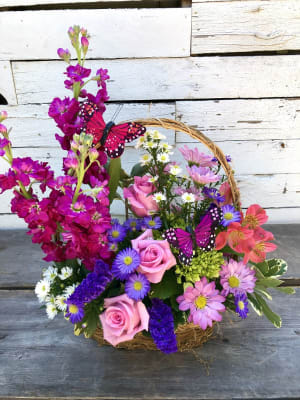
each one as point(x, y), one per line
point(161, 326)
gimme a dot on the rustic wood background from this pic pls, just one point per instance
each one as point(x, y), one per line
point(230, 68)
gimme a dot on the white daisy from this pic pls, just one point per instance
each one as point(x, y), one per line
point(140, 142)
point(188, 197)
point(163, 157)
point(166, 147)
point(65, 273)
point(60, 303)
point(50, 299)
point(70, 290)
point(50, 273)
point(42, 289)
point(159, 197)
point(175, 170)
point(145, 159)
point(51, 310)
point(153, 179)
point(156, 135)
point(150, 145)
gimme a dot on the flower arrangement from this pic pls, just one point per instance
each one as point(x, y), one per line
point(184, 252)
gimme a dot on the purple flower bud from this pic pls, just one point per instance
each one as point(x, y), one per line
point(84, 43)
point(3, 115)
point(71, 161)
point(83, 31)
point(3, 129)
point(93, 154)
point(71, 31)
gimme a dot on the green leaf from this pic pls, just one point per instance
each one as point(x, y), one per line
point(255, 304)
point(138, 170)
point(92, 323)
point(114, 171)
point(272, 317)
point(263, 267)
point(269, 282)
point(167, 287)
point(277, 267)
point(261, 290)
point(286, 290)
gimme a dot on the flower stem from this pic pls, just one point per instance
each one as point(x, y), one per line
point(24, 191)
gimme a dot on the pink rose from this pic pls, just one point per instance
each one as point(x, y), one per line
point(140, 199)
point(156, 256)
point(123, 318)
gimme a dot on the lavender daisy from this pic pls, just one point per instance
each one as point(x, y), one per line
point(125, 263)
point(117, 233)
point(213, 194)
point(237, 278)
point(230, 215)
point(241, 304)
point(152, 223)
point(75, 311)
point(137, 286)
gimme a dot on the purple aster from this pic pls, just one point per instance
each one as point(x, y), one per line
point(161, 326)
point(213, 194)
point(152, 223)
point(137, 286)
point(241, 304)
point(75, 311)
point(125, 263)
point(117, 233)
point(132, 224)
point(230, 215)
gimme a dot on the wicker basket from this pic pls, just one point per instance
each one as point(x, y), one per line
point(188, 336)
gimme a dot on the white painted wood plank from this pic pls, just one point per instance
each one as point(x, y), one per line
point(31, 126)
point(115, 33)
point(241, 119)
point(27, 3)
point(7, 88)
point(170, 78)
point(245, 26)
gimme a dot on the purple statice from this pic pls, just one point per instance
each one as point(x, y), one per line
point(75, 311)
point(76, 73)
point(117, 232)
point(230, 214)
point(88, 290)
point(152, 222)
point(161, 326)
point(241, 304)
point(213, 194)
point(3, 143)
point(125, 263)
point(137, 286)
point(132, 224)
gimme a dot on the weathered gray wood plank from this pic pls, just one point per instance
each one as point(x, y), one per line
point(21, 261)
point(42, 359)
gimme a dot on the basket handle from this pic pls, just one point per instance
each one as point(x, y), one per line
point(196, 134)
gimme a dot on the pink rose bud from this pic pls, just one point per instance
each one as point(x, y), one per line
point(3, 115)
point(84, 43)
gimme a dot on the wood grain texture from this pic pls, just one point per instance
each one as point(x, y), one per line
point(245, 26)
point(21, 261)
point(165, 79)
point(237, 119)
point(7, 88)
point(150, 33)
point(27, 3)
point(42, 358)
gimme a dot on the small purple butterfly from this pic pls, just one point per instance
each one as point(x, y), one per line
point(204, 235)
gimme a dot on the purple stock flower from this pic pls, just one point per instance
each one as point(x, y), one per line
point(3, 143)
point(71, 161)
point(76, 73)
point(7, 180)
point(103, 76)
point(161, 326)
point(137, 286)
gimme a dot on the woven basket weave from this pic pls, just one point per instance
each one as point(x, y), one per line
point(188, 336)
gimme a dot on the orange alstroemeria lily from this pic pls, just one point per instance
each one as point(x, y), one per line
point(255, 216)
point(237, 236)
point(259, 245)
